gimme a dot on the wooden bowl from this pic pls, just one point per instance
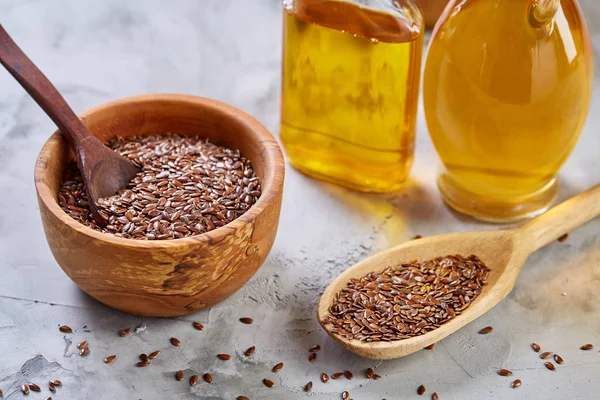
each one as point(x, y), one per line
point(165, 277)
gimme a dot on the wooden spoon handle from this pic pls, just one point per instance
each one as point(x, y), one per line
point(562, 219)
point(42, 91)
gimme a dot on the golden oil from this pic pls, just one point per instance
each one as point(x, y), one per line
point(350, 92)
point(506, 98)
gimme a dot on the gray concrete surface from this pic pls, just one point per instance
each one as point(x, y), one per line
point(96, 51)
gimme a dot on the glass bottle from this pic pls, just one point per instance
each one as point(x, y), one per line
point(507, 86)
point(350, 90)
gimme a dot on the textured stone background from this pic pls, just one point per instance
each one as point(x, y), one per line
point(230, 50)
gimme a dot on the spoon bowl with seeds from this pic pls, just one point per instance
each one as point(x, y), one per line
point(404, 299)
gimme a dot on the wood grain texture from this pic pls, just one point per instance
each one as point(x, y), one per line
point(103, 171)
point(171, 277)
point(504, 252)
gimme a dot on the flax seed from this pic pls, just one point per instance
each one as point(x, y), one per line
point(242, 398)
point(536, 347)
point(549, 365)
point(34, 387)
point(246, 320)
point(154, 354)
point(268, 383)
point(194, 380)
point(558, 359)
point(314, 348)
point(430, 347)
point(125, 332)
point(82, 344)
point(435, 396)
point(324, 377)
point(516, 383)
point(51, 387)
point(65, 329)
point(84, 351)
point(486, 330)
point(337, 375)
point(376, 376)
point(408, 300)
point(249, 351)
point(312, 357)
point(144, 357)
point(564, 237)
point(25, 388)
point(142, 364)
point(545, 355)
point(505, 372)
point(345, 395)
point(421, 390)
point(369, 373)
point(308, 387)
point(224, 356)
point(56, 382)
point(198, 326)
point(179, 375)
point(348, 375)
point(587, 346)
point(175, 341)
point(109, 359)
point(278, 367)
point(207, 378)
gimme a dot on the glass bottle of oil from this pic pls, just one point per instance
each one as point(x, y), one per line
point(350, 89)
point(507, 86)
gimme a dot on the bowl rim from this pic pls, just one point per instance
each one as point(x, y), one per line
point(271, 187)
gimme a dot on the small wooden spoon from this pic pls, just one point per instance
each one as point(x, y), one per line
point(104, 172)
point(504, 251)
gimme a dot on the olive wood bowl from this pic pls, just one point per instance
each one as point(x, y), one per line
point(165, 277)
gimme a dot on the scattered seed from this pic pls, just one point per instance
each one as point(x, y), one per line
point(376, 377)
point(56, 382)
point(308, 387)
point(337, 375)
point(407, 300)
point(505, 372)
point(109, 359)
point(34, 387)
point(587, 346)
point(179, 375)
point(144, 357)
point(246, 320)
point(142, 364)
point(84, 351)
point(417, 237)
point(51, 387)
point(549, 365)
point(348, 375)
point(1, 394)
point(516, 383)
point(324, 377)
point(198, 326)
point(564, 237)
point(315, 348)
point(25, 388)
point(242, 398)
point(194, 380)
point(277, 367)
point(421, 390)
point(65, 329)
point(345, 395)
point(186, 186)
point(268, 383)
point(154, 354)
point(558, 359)
point(125, 332)
point(312, 357)
point(224, 356)
point(545, 355)
point(249, 351)
point(369, 373)
point(82, 344)
point(48, 398)
point(435, 396)
point(536, 347)
point(486, 330)
point(430, 347)
point(207, 378)
point(175, 341)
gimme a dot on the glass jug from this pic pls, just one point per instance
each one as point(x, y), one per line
point(507, 86)
point(350, 90)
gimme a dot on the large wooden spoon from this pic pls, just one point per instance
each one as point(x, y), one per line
point(104, 171)
point(504, 251)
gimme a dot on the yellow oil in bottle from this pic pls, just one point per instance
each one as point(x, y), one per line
point(505, 102)
point(350, 92)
